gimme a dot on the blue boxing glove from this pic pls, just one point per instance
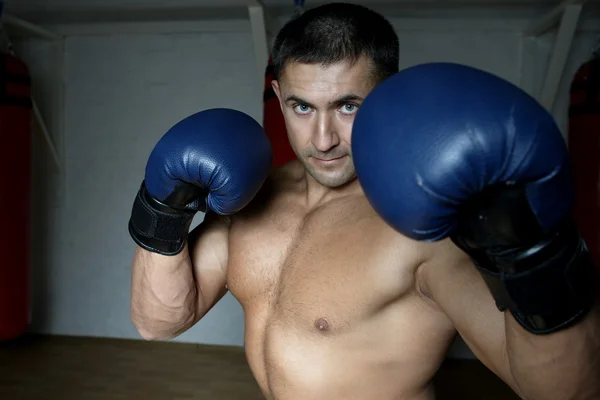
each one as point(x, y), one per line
point(213, 160)
point(445, 150)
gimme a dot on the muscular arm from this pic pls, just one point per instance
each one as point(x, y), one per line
point(172, 293)
point(562, 365)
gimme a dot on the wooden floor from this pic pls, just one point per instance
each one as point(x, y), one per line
point(68, 368)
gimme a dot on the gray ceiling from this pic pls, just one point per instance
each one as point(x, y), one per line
point(40, 5)
point(53, 11)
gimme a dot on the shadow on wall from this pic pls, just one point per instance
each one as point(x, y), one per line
point(459, 349)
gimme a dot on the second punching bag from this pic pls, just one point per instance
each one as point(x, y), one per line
point(274, 124)
point(15, 174)
point(584, 146)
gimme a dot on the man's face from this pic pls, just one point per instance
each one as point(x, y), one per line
point(319, 105)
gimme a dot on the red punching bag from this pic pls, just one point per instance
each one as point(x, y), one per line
point(15, 170)
point(273, 122)
point(584, 147)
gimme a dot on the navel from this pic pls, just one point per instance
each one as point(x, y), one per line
point(322, 325)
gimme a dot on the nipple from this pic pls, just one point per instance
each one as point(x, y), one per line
point(322, 325)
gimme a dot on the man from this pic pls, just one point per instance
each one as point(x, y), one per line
point(340, 302)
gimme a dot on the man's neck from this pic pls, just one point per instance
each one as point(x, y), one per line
point(317, 194)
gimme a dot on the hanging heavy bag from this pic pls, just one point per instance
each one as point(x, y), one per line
point(584, 146)
point(15, 167)
point(273, 122)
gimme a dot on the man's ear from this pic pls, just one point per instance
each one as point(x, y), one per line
point(275, 86)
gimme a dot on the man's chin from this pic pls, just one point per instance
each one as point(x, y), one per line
point(335, 182)
point(331, 177)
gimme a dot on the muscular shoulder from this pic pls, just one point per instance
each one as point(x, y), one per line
point(287, 177)
point(442, 262)
point(281, 182)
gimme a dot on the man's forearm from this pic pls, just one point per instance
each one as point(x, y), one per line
point(564, 365)
point(164, 294)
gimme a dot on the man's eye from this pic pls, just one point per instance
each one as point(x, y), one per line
point(349, 108)
point(302, 109)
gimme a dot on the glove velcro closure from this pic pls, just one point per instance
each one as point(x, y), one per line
point(549, 287)
point(157, 227)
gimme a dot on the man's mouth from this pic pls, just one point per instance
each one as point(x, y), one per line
point(328, 160)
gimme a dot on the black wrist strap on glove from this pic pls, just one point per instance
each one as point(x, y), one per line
point(547, 280)
point(157, 227)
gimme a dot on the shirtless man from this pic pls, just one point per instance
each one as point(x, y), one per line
point(339, 302)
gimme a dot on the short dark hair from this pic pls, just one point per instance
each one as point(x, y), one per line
point(338, 32)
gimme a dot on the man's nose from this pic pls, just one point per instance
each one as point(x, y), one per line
point(326, 136)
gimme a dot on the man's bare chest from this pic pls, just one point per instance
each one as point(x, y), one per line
point(333, 266)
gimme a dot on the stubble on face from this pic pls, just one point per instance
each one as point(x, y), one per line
point(319, 104)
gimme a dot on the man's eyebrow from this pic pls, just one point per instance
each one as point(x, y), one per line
point(296, 99)
point(344, 99)
point(347, 98)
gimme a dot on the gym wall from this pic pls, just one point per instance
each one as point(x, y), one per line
point(123, 88)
